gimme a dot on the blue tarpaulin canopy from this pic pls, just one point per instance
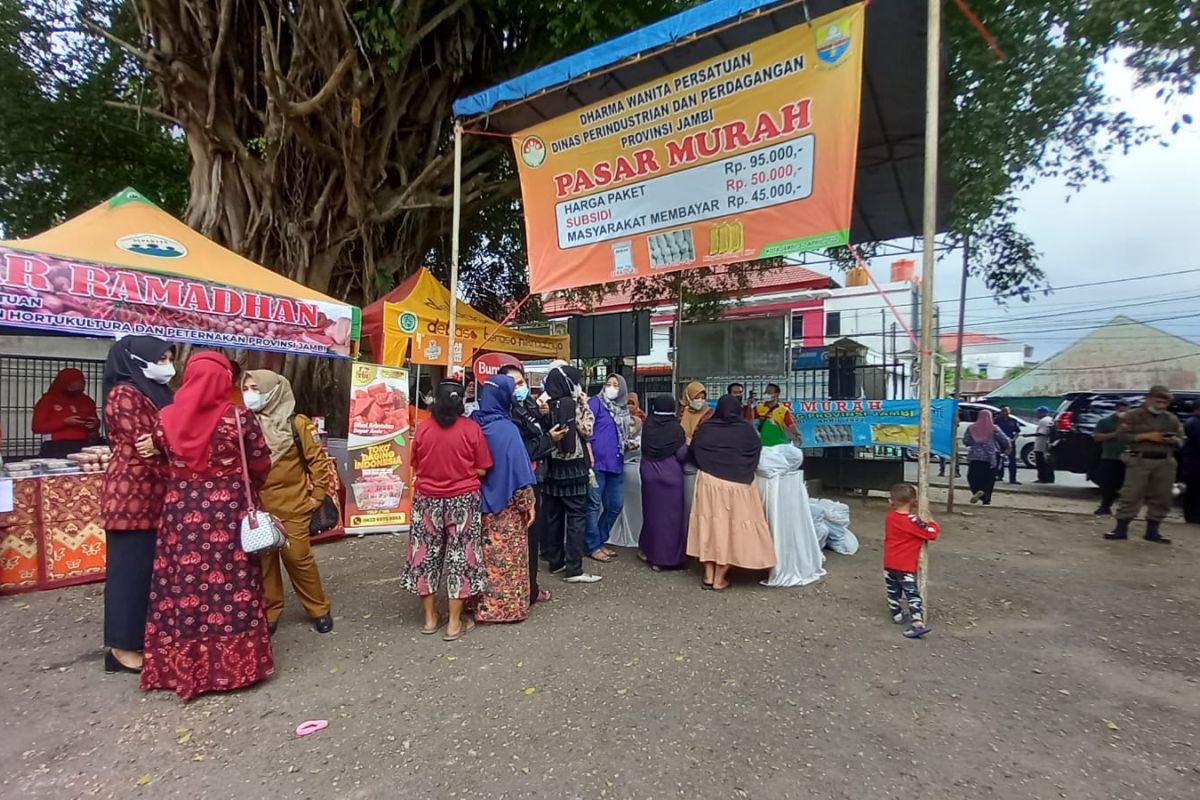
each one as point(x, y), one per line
point(888, 189)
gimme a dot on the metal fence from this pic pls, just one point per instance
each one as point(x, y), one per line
point(23, 381)
point(870, 381)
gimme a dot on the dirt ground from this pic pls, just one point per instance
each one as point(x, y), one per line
point(1060, 666)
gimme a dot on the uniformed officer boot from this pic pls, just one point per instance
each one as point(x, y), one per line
point(1119, 532)
point(1152, 534)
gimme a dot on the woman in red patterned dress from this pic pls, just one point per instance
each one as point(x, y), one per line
point(135, 389)
point(207, 628)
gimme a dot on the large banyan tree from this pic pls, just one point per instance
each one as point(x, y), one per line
point(319, 130)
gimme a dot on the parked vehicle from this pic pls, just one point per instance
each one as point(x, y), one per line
point(968, 413)
point(1072, 448)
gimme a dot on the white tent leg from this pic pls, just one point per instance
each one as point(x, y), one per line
point(454, 236)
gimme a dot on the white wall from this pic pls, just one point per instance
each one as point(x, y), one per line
point(867, 318)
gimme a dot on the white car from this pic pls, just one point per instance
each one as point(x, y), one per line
point(969, 412)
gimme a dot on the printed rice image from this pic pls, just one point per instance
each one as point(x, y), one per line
point(672, 247)
point(834, 434)
point(895, 434)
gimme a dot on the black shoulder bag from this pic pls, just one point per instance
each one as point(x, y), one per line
point(326, 516)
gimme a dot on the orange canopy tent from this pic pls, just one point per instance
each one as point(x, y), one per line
point(417, 312)
point(127, 266)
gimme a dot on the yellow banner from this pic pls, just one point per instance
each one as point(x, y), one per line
point(747, 155)
point(424, 316)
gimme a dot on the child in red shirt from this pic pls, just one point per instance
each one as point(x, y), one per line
point(904, 533)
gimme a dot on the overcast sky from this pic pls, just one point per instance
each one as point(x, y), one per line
point(1145, 221)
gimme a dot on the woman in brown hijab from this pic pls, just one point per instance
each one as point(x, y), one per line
point(300, 478)
point(695, 409)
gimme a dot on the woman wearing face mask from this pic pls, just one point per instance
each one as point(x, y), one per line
point(508, 506)
point(206, 630)
point(66, 415)
point(695, 409)
point(532, 418)
point(568, 478)
point(612, 437)
point(135, 389)
point(296, 486)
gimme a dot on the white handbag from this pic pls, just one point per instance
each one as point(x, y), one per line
point(260, 531)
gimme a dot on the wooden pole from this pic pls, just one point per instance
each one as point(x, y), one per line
point(678, 330)
point(455, 225)
point(958, 366)
point(928, 233)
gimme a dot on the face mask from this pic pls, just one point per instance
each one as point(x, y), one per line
point(521, 394)
point(254, 400)
point(772, 398)
point(697, 405)
point(611, 392)
point(158, 372)
point(1153, 410)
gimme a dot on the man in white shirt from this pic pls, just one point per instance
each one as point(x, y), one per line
point(1041, 447)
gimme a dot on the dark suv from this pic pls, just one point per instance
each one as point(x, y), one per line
point(1072, 448)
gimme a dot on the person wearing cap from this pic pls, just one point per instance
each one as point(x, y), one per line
point(1041, 447)
point(1153, 434)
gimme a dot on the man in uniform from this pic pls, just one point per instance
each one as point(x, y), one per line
point(1153, 434)
point(1110, 470)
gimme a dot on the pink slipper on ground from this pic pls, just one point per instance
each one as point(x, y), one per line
point(312, 726)
point(544, 596)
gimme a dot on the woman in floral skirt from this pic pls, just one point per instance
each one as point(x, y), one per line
point(508, 507)
point(207, 626)
point(449, 456)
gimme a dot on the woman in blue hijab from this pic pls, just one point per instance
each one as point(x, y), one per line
point(508, 507)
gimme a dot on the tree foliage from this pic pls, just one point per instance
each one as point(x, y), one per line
point(63, 144)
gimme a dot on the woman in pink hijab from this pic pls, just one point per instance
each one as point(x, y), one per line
point(985, 445)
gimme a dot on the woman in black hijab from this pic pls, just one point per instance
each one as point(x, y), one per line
point(728, 525)
point(569, 475)
point(135, 389)
point(663, 540)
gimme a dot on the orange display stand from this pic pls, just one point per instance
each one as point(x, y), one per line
point(53, 536)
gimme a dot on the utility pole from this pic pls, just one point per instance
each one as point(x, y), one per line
point(929, 234)
point(958, 365)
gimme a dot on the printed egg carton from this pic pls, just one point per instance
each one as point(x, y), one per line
point(672, 247)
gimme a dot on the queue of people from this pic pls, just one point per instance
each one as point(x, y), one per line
point(185, 606)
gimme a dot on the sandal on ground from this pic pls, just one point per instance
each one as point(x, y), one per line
point(431, 631)
point(600, 556)
point(642, 556)
point(716, 588)
point(611, 553)
point(468, 625)
point(705, 585)
point(544, 596)
point(917, 631)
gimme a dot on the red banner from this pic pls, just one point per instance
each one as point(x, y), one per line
point(377, 496)
point(45, 292)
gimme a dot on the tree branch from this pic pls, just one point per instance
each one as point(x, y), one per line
point(137, 52)
point(150, 112)
point(314, 103)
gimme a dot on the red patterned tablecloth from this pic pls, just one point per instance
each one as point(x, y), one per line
point(53, 536)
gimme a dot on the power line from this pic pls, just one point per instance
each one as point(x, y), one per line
point(1041, 370)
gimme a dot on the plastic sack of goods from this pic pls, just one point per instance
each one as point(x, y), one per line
point(832, 520)
point(785, 499)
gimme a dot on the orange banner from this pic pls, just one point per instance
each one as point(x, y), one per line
point(745, 156)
